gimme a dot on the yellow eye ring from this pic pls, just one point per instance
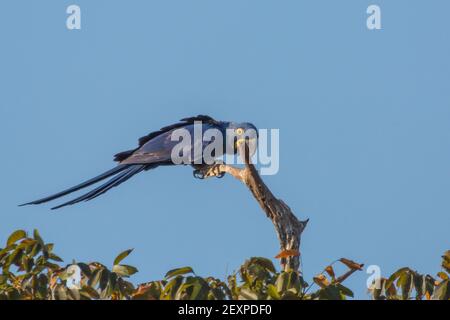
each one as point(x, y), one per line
point(239, 131)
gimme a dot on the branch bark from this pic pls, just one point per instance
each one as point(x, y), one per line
point(287, 227)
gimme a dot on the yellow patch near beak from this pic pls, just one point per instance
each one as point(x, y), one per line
point(242, 140)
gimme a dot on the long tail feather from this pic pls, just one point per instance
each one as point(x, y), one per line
point(124, 178)
point(85, 184)
point(118, 179)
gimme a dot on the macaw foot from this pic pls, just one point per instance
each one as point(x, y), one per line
point(206, 171)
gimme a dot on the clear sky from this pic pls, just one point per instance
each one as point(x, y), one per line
point(363, 117)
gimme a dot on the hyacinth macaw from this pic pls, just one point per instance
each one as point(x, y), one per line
point(155, 150)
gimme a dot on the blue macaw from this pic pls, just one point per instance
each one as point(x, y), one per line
point(154, 150)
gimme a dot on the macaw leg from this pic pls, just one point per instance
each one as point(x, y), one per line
point(202, 171)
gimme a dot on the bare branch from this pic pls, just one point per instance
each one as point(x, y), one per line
point(287, 227)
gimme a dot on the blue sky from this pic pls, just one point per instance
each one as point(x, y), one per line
point(363, 118)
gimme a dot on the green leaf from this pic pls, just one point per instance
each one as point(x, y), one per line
point(89, 292)
point(95, 278)
point(394, 276)
point(37, 247)
point(442, 275)
point(272, 292)
point(429, 284)
point(293, 281)
point(247, 294)
point(51, 266)
point(199, 289)
point(60, 292)
point(15, 236)
point(263, 262)
point(5, 251)
point(175, 272)
point(85, 269)
point(442, 291)
point(14, 257)
point(172, 287)
point(49, 247)
point(124, 270)
point(104, 279)
point(37, 237)
point(344, 290)
point(28, 264)
point(289, 295)
point(122, 256)
point(282, 282)
point(148, 291)
point(3, 279)
point(27, 244)
point(54, 257)
point(405, 283)
point(74, 294)
point(330, 292)
point(446, 261)
point(418, 280)
point(113, 280)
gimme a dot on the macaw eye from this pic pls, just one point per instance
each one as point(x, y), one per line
point(239, 131)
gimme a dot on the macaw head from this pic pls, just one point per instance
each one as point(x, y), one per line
point(238, 133)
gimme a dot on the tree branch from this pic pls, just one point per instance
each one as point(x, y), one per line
point(287, 227)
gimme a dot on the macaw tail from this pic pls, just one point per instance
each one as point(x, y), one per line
point(120, 173)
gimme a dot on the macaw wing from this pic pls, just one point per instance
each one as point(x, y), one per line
point(145, 139)
point(159, 149)
point(156, 150)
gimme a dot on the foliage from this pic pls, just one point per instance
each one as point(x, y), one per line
point(31, 270)
point(407, 284)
